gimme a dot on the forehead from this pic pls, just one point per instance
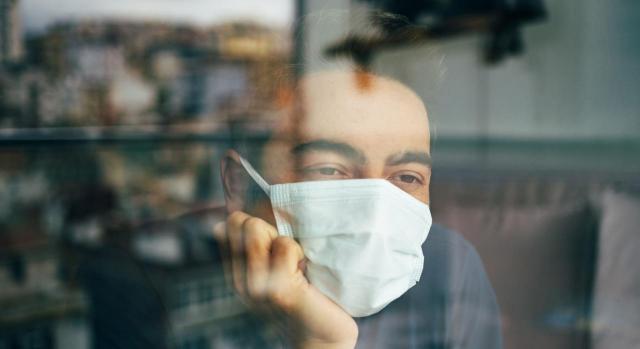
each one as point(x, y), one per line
point(375, 116)
point(360, 108)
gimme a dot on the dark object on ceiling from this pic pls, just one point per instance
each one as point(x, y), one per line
point(441, 10)
point(406, 22)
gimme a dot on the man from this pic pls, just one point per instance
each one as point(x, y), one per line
point(351, 125)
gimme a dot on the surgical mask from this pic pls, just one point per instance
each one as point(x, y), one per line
point(362, 237)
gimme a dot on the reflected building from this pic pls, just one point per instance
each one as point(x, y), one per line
point(112, 73)
point(69, 277)
point(161, 285)
point(39, 309)
point(11, 49)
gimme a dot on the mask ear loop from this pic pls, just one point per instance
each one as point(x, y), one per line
point(284, 227)
point(256, 176)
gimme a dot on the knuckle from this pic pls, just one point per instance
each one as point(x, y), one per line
point(256, 244)
point(252, 224)
point(282, 246)
point(281, 242)
point(256, 232)
point(236, 218)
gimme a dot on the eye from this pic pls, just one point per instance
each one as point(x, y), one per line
point(327, 171)
point(408, 178)
point(407, 181)
point(324, 172)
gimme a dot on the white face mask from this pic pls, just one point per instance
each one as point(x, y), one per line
point(362, 237)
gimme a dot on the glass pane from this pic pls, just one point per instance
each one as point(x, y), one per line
point(358, 173)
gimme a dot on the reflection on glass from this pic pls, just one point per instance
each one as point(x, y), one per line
point(115, 119)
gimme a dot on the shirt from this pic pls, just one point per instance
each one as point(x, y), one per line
point(453, 306)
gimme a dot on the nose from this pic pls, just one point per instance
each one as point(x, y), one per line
point(371, 170)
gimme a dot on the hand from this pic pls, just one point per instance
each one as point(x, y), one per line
point(267, 272)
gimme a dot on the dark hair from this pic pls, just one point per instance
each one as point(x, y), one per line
point(352, 52)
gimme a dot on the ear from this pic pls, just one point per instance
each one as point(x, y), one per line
point(235, 181)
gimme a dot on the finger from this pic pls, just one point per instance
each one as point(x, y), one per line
point(286, 280)
point(317, 311)
point(236, 247)
point(258, 236)
point(290, 291)
point(286, 253)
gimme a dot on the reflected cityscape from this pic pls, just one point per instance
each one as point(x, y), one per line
point(112, 130)
point(94, 239)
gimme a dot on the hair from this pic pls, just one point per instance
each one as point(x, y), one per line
point(365, 27)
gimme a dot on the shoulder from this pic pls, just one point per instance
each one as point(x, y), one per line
point(453, 272)
point(448, 252)
point(445, 247)
point(451, 265)
point(444, 237)
point(455, 279)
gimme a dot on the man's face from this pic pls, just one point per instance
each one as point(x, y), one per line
point(348, 125)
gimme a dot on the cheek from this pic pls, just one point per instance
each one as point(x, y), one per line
point(423, 194)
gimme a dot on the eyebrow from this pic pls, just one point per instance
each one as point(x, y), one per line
point(352, 153)
point(340, 148)
point(409, 157)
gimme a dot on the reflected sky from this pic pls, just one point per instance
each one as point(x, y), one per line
point(38, 14)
